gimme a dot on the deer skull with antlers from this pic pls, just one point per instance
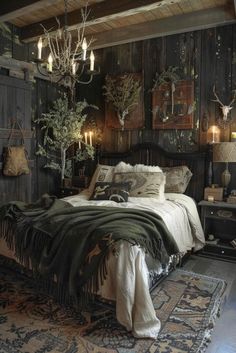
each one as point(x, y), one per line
point(225, 108)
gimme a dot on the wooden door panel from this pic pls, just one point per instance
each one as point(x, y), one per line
point(15, 103)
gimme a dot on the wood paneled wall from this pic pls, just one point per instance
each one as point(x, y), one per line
point(207, 56)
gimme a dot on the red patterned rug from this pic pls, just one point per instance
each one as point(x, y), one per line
point(30, 322)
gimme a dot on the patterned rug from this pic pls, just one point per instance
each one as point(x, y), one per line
point(186, 303)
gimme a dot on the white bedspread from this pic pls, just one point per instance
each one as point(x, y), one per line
point(127, 280)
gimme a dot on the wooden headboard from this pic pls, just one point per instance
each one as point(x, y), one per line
point(152, 154)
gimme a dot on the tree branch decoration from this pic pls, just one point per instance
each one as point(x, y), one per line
point(168, 76)
point(123, 93)
point(62, 128)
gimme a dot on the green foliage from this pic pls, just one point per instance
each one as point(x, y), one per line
point(62, 127)
point(168, 76)
point(123, 92)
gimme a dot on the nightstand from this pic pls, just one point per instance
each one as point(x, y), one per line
point(219, 225)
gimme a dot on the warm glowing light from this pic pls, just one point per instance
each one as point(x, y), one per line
point(213, 134)
point(84, 48)
point(40, 46)
point(90, 138)
point(50, 61)
point(86, 137)
point(92, 59)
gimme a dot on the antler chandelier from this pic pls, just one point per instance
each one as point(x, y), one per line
point(67, 59)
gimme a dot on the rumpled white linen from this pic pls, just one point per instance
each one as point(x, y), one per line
point(127, 279)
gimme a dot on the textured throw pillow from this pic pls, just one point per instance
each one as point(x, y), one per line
point(177, 178)
point(123, 167)
point(102, 173)
point(144, 184)
point(118, 192)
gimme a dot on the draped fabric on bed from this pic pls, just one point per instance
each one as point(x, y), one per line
point(73, 242)
point(86, 242)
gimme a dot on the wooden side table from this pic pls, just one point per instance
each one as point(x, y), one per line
point(219, 225)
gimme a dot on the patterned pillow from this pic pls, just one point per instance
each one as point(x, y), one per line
point(118, 192)
point(177, 178)
point(102, 173)
point(144, 184)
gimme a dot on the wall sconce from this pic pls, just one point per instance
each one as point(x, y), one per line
point(213, 134)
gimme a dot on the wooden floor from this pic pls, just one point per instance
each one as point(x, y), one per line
point(223, 338)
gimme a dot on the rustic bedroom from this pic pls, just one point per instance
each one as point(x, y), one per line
point(118, 176)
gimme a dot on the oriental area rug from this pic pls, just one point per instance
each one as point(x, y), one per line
point(31, 322)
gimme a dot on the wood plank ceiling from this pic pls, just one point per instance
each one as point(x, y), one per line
point(112, 22)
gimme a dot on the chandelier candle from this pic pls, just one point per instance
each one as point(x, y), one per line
point(90, 138)
point(86, 137)
point(92, 59)
point(40, 46)
point(84, 48)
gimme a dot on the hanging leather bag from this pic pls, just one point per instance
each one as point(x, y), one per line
point(15, 161)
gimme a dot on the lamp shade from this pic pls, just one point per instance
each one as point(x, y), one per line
point(224, 152)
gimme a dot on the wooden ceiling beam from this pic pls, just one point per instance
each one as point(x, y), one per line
point(98, 13)
point(172, 25)
point(15, 8)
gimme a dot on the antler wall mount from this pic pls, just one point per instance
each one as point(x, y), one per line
point(225, 119)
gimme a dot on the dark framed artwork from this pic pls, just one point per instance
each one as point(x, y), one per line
point(173, 105)
point(135, 119)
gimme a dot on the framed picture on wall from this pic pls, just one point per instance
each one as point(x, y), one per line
point(135, 118)
point(173, 105)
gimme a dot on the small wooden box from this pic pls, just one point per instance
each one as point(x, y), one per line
point(215, 193)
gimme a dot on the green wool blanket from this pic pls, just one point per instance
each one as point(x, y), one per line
point(73, 243)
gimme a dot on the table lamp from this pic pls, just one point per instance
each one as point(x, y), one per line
point(225, 152)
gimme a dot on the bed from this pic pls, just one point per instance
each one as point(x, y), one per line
point(131, 271)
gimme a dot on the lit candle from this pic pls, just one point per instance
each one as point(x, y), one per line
point(84, 48)
point(40, 46)
point(50, 61)
point(79, 144)
point(92, 59)
point(213, 134)
point(90, 138)
point(86, 137)
point(73, 64)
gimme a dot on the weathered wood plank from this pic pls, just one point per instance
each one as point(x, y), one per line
point(5, 133)
point(15, 8)
point(207, 75)
point(224, 40)
point(177, 24)
point(98, 13)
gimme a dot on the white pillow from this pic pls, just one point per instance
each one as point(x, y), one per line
point(104, 173)
point(123, 167)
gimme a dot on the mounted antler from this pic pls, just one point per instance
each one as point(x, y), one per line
point(225, 108)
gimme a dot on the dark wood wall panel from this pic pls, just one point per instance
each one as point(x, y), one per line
point(208, 57)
